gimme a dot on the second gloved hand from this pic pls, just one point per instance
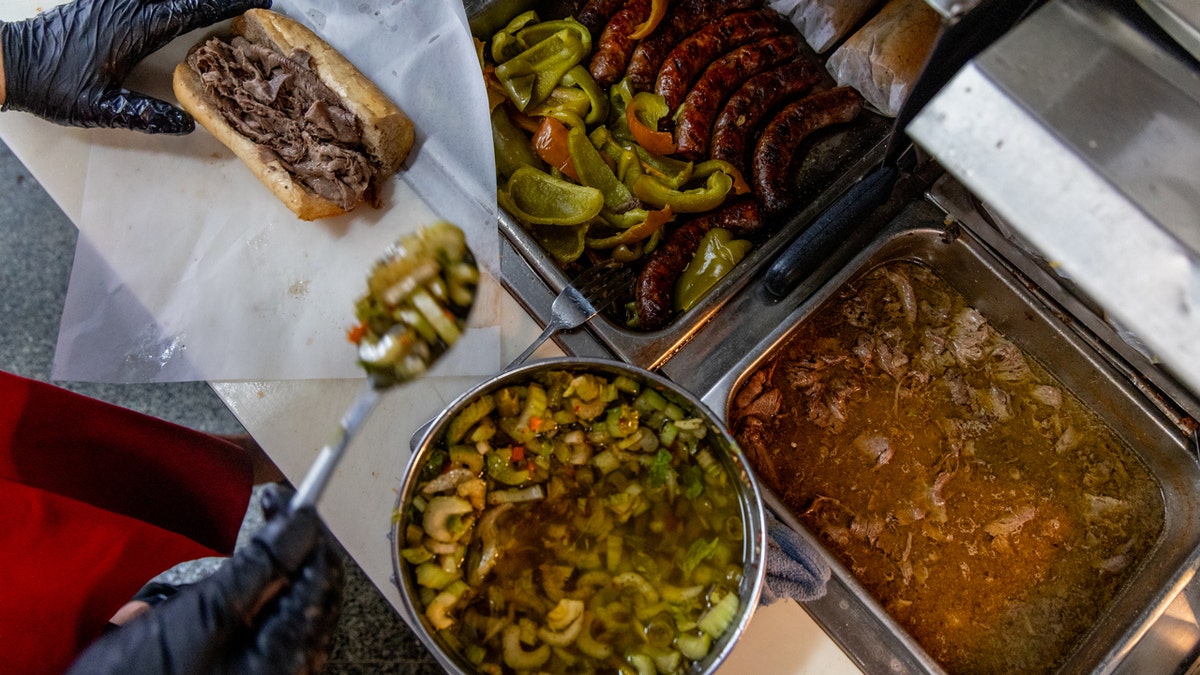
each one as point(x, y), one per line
point(270, 609)
point(68, 64)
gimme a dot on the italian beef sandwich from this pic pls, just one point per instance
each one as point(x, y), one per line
point(310, 126)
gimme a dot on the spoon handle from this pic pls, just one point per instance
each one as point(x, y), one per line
point(322, 469)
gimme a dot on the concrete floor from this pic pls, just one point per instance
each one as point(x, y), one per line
point(37, 245)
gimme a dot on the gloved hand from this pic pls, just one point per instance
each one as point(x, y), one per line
point(269, 609)
point(67, 64)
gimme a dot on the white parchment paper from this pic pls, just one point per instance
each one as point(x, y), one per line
point(188, 268)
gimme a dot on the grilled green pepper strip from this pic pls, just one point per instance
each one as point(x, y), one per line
point(565, 243)
point(651, 223)
point(529, 77)
point(619, 96)
point(534, 196)
point(533, 33)
point(717, 254)
point(580, 77)
point(505, 44)
point(593, 171)
point(563, 102)
point(602, 139)
point(696, 200)
point(708, 167)
point(673, 172)
point(512, 147)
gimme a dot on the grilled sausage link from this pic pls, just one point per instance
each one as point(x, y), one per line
point(689, 58)
point(595, 15)
point(783, 134)
point(682, 19)
point(655, 285)
point(748, 108)
point(695, 116)
point(616, 42)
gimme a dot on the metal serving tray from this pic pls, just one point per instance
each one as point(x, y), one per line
point(834, 162)
point(856, 620)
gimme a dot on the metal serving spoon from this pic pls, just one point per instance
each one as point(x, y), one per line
point(416, 305)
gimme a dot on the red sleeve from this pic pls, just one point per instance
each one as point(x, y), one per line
point(94, 501)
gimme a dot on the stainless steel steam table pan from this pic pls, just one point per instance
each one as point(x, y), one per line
point(836, 159)
point(856, 620)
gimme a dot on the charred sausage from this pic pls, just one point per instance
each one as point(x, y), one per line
point(748, 108)
point(617, 43)
point(655, 285)
point(783, 134)
point(689, 58)
point(595, 14)
point(682, 19)
point(695, 116)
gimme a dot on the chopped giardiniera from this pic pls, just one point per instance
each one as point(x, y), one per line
point(416, 305)
point(577, 522)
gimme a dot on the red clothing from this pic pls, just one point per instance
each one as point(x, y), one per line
point(94, 501)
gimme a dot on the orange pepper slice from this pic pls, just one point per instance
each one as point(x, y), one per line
point(550, 143)
point(658, 142)
point(658, 9)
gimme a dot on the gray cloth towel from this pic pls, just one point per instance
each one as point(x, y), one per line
point(795, 569)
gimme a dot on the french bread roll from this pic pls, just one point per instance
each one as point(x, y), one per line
point(309, 125)
point(884, 58)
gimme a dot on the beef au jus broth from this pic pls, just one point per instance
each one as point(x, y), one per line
point(977, 499)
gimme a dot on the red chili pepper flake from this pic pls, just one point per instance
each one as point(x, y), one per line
point(518, 453)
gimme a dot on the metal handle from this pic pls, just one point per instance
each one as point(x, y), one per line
point(322, 469)
point(551, 329)
point(814, 244)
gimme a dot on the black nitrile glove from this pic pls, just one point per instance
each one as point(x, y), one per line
point(270, 609)
point(67, 64)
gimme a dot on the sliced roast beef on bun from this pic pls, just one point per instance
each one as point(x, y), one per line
point(310, 126)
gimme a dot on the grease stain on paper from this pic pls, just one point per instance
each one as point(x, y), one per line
point(299, 289)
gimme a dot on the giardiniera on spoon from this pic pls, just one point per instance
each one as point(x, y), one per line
point(419, 294)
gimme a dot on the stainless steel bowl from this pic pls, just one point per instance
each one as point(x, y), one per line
point(750, 498)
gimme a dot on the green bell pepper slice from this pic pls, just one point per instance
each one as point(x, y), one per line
point(652, 221)
point(626, 220)
point(505, 44)
point(593, 171)
point(708, 167)
point(580, 78)
point(529, 77)
point(619, 96)
point(562, 102)
point(624, 159)
point(511, 145)
point(536, 197)
point(674, 172)
point(533, 33)
point(715, 257)
point(602, 139)
point(565, 243)
point(695, 200)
